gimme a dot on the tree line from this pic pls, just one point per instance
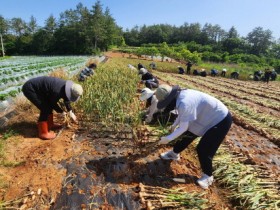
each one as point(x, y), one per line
point(193, 42)
point(77, 31)
point(213, 37)
point(89, 31)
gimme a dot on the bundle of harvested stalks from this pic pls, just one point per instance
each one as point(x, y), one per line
point(250, 185)
point(65, 117)
point(159, 197)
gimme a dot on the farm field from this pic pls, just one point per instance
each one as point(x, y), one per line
point(95, 165)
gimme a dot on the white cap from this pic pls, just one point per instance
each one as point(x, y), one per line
point(146, 93)
point(143, 71)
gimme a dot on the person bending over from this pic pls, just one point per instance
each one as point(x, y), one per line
point(199, 115)
point(45, 92)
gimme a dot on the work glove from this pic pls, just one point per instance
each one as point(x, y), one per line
point(73, 116)
point(164, 140)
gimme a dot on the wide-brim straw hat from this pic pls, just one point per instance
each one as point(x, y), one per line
point(73, 91)
point(165, 94)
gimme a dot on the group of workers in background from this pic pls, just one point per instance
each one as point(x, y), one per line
point(266, 76)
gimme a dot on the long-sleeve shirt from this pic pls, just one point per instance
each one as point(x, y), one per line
point(197, 112)
point(51, 90)
point(152, 109)
point(149, 77)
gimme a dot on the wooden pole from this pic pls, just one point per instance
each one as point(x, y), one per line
point(3, 52)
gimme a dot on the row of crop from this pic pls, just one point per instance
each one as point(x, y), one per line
point(42, 64)
point(12, 93)
point(259, 87)
point(109, 97)
point(258, 121)
point(172, 67)
point(15, 61)
point(262, 92)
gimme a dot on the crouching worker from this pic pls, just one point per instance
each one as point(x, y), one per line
point(199, 115)
point(153, 114)
point(87, 72)
point(234, 75)
point(148, 79)
point(181, 70)
point(45, 92)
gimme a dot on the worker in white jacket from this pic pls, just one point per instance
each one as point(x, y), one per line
point(153, 114)
point(199, 115)
point(148, 95)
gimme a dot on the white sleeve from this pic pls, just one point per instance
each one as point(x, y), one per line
point(152, 110)
point(183, 127)
point(176, 122)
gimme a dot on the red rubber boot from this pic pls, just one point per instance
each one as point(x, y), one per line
point(44, 132)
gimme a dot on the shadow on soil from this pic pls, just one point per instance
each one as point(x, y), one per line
point(108, 176)
point(26, 129)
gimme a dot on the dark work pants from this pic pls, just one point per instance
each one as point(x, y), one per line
point(151, 85)
point(39, 101)
point(208, 144)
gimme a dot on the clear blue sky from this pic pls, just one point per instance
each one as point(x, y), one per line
point(244, 15)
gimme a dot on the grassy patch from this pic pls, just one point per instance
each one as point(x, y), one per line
point(6, 135)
